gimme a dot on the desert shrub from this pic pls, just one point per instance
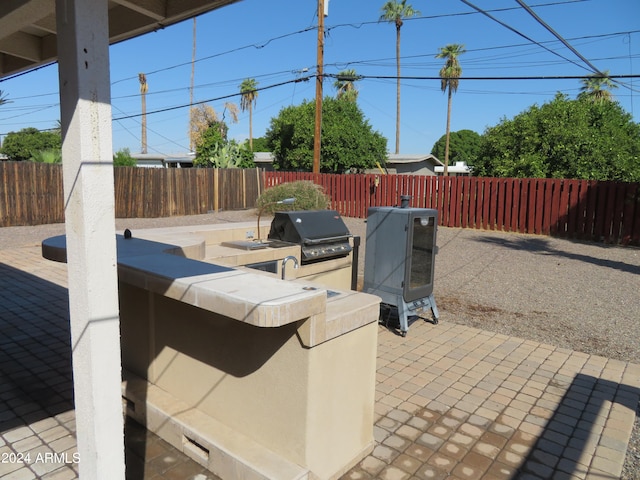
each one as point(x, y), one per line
point(51, 155)
point(123, 158)
point(308, 195)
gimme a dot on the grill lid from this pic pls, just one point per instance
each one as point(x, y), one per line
point(321, 233)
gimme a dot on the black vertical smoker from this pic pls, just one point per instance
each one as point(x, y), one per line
point(400, 259)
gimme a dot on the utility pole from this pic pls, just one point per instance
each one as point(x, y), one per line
point(318, 125)
point(192, 147)
point(143, 94)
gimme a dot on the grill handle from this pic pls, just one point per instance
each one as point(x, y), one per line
point(316, 241)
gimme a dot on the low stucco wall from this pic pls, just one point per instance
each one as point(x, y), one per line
point(312, 406)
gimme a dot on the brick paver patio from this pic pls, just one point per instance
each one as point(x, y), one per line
point(451, 401)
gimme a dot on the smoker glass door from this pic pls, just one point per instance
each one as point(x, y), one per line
point(421, 273)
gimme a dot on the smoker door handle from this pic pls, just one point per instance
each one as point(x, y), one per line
point(309, 241)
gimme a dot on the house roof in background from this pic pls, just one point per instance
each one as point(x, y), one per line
point(398, 158)
point(28, 31)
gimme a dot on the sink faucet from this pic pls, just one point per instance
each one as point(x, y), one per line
point(284, 263)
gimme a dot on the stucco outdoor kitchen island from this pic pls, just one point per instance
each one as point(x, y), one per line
point(251, 375)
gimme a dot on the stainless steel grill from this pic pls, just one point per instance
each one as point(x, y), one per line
point(321, 234)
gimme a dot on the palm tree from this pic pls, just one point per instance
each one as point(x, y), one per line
point(249, 95)
point(449, 78)
point(394, 12)
point(3, 98)
point(345, 84)
point(596, 88)
point(144, 88)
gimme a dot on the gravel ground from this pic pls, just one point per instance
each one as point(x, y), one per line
point(575, 295)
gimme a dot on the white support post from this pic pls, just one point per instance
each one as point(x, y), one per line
point(85, 99)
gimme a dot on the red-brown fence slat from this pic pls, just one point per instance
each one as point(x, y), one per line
point(442, 200)
point(465, 199)
point(428, 191)
point(546, 214)
point(631, 212)
point(512, 190)
point(500, 203)
point(581, 209)
point(493, 203)
point(486, 202)
point(454, 218)
point(618, 210)
point(358, 196)
point(532, 185)
point(602, 190)
point(424, 185)
point(572, 207)
point(635, 215)
point(554, 220)
point(541, 185)
point(390, 190)
point(524, 203)
point(339, 191)
point(350, 195)
point(563, 210)
point(610, 211)
point(479, 199)
point(473, 187)
point(592, 198)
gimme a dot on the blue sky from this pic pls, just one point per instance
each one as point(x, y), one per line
point(275, 42)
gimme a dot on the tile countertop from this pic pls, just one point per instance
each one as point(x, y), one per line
point(170, 265)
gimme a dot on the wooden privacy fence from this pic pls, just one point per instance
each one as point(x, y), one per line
point(32, 194)
point(581, 209)
point(167, 192)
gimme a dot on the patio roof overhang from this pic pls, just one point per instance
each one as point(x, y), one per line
point(28, 34)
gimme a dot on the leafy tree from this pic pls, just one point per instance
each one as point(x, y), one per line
point(395, 12)
point(27, 142)
point(204, 116)
point(450, 78)
point(348, 141)
point(464, 146)
point(123, 158)
point(564, 139)
point(215, 151)
point(345, 85)
point(248, 98)
point(260, 144)
point(209, 143)
point(597, 88)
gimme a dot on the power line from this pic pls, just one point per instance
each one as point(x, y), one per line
point(150, 129)
point(532, 77)
point(559, 37)
point(224, 97)
point(327, 30)
point(517, 32)
point(378, 61)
